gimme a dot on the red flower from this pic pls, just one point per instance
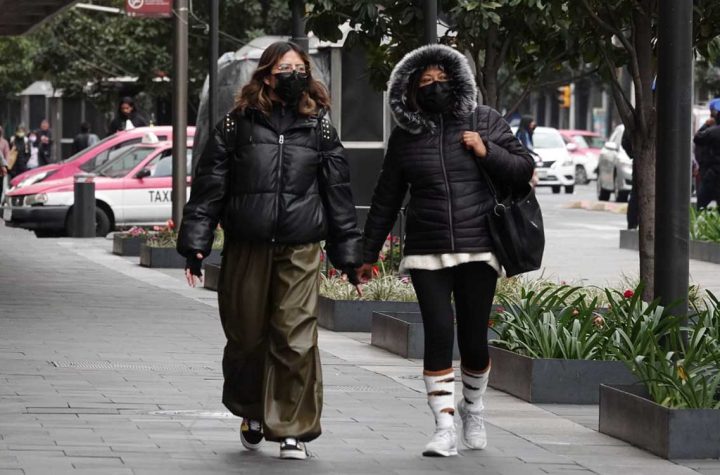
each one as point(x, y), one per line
point(382, 257)
point(376, 270)
point(628, 294)
point(491, 323)
point(332, 273)
point(322, 257)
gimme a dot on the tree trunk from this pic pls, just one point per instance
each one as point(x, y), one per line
point(645, 182)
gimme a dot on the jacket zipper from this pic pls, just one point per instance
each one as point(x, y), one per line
point(447, 187)
point(281, 141)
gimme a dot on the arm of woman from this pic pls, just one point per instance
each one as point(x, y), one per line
point(343, 242)
point(386, 202)
point(506, 160)
point(207, 196)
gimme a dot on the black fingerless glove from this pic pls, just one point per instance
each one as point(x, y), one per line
point(351, 275)
point(194, 264)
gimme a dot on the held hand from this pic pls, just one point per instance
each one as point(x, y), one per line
point(472, 141)
point(364, 273)
point(193, 272)
point(3, 171)
point(354, 279)
point(710, 121)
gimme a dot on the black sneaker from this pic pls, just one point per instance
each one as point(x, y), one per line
point(291, 448)
point(251, 434)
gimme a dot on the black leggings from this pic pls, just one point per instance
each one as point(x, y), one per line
point(473, 286)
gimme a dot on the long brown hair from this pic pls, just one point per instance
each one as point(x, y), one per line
point(256, 94)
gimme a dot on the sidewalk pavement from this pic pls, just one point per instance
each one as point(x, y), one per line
point(110, 368)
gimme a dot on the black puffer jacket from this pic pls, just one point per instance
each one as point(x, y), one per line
point(265, 186)
point(449, 196)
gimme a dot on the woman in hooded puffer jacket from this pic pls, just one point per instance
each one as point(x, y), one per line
point(436, 151)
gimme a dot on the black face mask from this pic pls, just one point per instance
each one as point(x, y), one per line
point(435, 98)
point(290, 86)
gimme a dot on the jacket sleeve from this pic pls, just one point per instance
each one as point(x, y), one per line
point(507, 160)
point(343, 241)
point(708, 137)
point(386, 202)
point(207, 196)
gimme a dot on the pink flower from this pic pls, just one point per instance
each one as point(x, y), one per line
point(405, 280)
point(628, 294)
point(375, 270)
point(170, 224)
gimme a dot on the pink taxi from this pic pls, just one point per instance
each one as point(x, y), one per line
point(133, 188)
point(91, 157)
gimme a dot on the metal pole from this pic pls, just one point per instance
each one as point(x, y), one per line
point(298, 25)
point(430, 26)
point(83, 210)
point(214, 53)
point(672, 183)
point(180, 94)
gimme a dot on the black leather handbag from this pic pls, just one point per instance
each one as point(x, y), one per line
point(516, 228)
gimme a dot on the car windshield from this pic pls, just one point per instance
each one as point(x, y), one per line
point(124, 163)
point(86, 150)
point(596, 142)
point(543, 139)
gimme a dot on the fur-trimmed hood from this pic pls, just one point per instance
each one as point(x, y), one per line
point(462, 81)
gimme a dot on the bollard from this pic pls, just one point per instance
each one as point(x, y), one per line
point(83, 215)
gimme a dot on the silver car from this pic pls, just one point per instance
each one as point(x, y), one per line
point(614, 169)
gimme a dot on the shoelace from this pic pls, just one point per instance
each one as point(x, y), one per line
point(475, 421)
point(443, 433)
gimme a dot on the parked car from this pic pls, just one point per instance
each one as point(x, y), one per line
point(614, 169)
point(554, 165)
point(134, 188)
point(91, 157)
point(584, 147)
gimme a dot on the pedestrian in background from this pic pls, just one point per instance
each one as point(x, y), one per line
point(34, 145)
point(44, 130)
point(525, 132)
point(127, 117)
point(707, 142)
point(437, 154)
point(84, 139)
point(20, 147)
point(4, 171)
point(44, 151)
point(274, 174)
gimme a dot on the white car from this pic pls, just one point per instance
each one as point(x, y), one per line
point(614, 169)
point(554, 164)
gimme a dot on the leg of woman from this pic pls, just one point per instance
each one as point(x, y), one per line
point(293, 376)
point(433, 289)
point(244, 312)
point(475, 284)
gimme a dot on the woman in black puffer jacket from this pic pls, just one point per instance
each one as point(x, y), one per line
point(275, 176)
point(435, 153)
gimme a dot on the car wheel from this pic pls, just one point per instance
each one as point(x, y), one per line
point(581, 175)
point(555, 190)
point(570, 189)
point(602, 193)
point(102, 222)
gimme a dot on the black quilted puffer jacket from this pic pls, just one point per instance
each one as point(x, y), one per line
point(449, 196)
point(266, 186)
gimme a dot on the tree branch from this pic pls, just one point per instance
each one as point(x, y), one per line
point(607, 26)
point(520, 100)
point(624, 106)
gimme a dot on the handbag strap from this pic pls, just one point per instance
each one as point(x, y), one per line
point(488, 180)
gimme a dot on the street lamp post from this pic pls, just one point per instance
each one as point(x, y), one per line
point(672, 183)
point(298, 25)
point(430, 26)
point(214, 53)
point(179, 120)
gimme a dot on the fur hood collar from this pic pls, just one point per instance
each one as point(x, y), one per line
point(462, 81)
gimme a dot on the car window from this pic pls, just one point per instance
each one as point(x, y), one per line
point(580, 141)
point(124, 163)
point(87, 150)
point(596, 142)
point(162, 164)
point(542, 139)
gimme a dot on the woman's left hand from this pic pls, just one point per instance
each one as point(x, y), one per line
point(473, 142)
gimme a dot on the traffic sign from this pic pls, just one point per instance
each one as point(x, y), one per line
point(149, 8)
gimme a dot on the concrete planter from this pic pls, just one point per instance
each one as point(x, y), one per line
point(699, 250)
point(401, 333)
point(168, 257)
point(356, 315)
point(628, 414)
point(211, 275)
point(127, 246)
point(554, 381)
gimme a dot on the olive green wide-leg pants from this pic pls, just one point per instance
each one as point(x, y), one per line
point(268, 295)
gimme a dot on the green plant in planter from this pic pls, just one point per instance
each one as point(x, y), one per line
point(705, 225)
point(679, 365)
point(166, 236)
point(551, 322)
point(386, 287)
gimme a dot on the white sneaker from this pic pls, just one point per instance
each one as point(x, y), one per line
point(291, 448)
point(473, 435)
point(442, 444)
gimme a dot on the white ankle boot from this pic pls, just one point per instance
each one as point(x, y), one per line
point(474, 435)
point(441, 399)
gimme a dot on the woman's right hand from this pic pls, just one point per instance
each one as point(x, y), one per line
point(193, 269)
point(364, 273)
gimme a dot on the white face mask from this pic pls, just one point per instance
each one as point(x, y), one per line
point(33, 138)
